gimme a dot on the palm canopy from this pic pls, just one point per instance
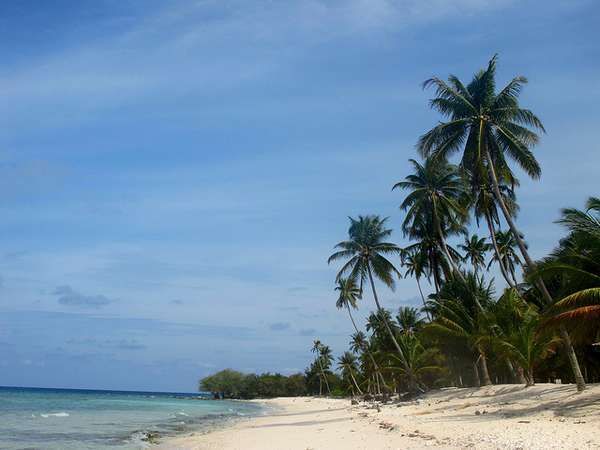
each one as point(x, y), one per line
point(474, 249)
point(349, 293)
point(436, 190)
point(509, 258)
point(409, 320)
point(574, 267)
point(482, 120)
point(366, 250)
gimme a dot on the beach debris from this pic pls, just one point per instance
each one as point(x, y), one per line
point(523, 421)
point(387, 426)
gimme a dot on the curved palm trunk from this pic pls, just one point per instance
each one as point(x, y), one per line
point(532, 266)
point(492, 231)
point(371, 357)
point(411, 376)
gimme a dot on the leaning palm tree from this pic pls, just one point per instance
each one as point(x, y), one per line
point(366, 251)
point(436, 190)
point(474, 250)
point(318, 349)
point(347, 365)
point(489, 128)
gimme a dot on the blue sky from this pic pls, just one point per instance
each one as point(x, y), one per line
point(173, 175)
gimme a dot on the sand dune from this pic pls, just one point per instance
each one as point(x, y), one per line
point(545, 416)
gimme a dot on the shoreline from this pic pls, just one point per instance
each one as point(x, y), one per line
point(545, 416)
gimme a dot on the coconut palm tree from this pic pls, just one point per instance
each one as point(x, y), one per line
point(474, 249)
point(490, 128)
point(576, 264)
point(366, 251)
point(349, 294)
point(318, 349)
point(484, 206)
point(415, 263)
point(347, 365)
point(436, 190)
point(460, 313)
point(527, 346)
point(508, 257)
point(408, 319)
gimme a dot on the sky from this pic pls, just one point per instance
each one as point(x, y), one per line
point(174, 175)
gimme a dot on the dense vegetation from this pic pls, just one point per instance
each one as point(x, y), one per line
point(232, 384)
point(539, 322)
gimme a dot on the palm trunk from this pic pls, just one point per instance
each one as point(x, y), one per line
point(512, 371)
point(476, 374)
point(532, 267)
point(445, 248)
point(366, 349)
point(485, 375)
point(355, 383)
point(411, 376)
point(490, 224)
point(324, 375)
point(423, 298)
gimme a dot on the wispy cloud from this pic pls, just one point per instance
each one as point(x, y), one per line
point(279, 326)
point(69, 297)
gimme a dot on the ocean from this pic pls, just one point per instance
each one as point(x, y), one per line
point(32, 418)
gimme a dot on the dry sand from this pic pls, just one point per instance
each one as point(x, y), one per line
point(545, 416)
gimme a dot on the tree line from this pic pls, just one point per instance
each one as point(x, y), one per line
point(540, 322)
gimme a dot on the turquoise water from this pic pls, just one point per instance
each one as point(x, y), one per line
point(67, 419)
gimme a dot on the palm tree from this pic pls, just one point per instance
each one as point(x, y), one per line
point(506, 255)
point(489, 128)
point(318, 349)
point(484, 206)
point(366, 251)
point(409, 320)
point(436, 190)
point(527, 346)
point(577, 264)
point(347, 364)
point(349, 294)
point(421, 360)
point(474, 250)
point(460, 313)
point(415, 263)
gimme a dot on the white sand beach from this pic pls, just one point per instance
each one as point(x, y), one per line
point(545, 416)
